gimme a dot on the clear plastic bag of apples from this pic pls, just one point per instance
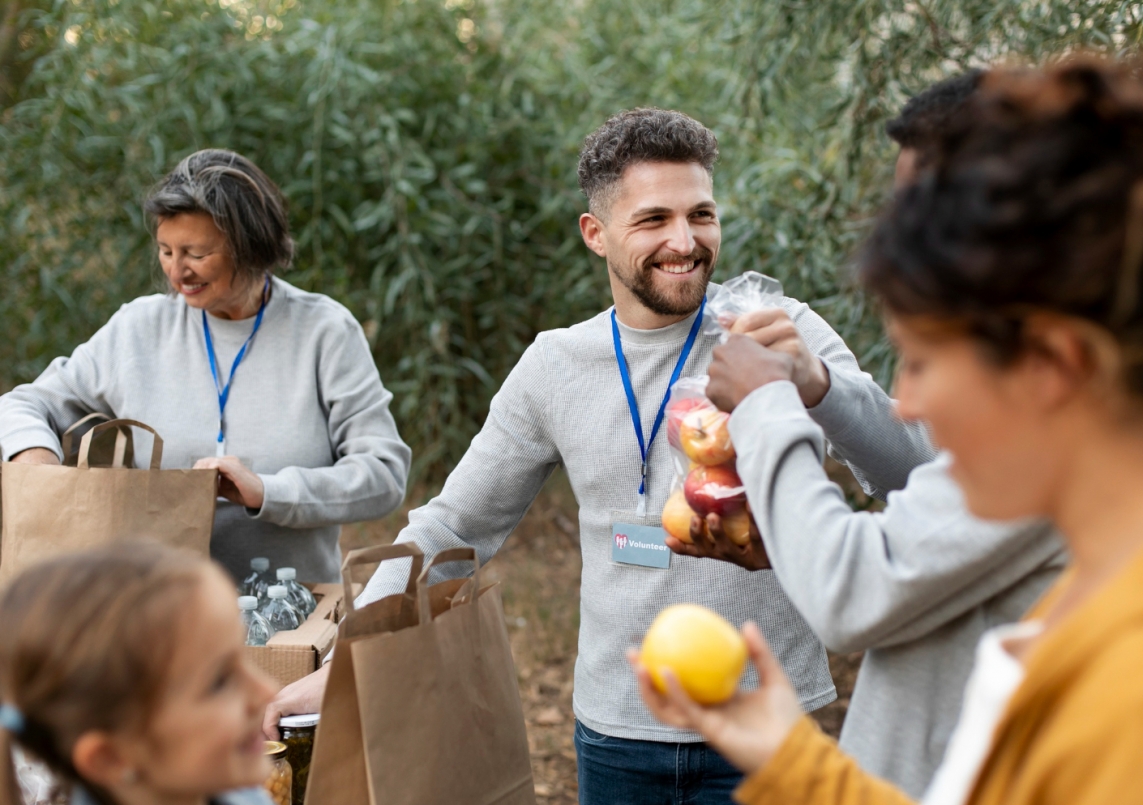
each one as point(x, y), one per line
point(706, 478)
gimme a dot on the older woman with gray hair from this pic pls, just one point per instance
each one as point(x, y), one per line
point(238, 370)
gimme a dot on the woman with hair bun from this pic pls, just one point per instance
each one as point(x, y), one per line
point(1011, 274)
point(237, 370)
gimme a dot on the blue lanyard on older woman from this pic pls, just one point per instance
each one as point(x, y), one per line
point(224, 391)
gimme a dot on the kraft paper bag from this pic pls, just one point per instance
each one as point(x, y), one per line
point(52, 510)
point(422, 704)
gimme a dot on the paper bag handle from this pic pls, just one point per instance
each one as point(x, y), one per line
point(120, 443)
point(381, 553)
point(449, 555)
point(66, 439)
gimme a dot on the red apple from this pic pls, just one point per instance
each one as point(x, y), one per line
point(705, 437)
point(676, 410)
point(715, 490)
point(677, 517)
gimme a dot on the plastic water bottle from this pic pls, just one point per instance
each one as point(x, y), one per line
point(259, 579)
point(299, 597)
point(281, 615)
point(258, 629)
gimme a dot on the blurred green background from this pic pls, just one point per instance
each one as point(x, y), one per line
point(428, 150)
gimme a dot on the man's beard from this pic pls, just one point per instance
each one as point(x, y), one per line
point(684, 298)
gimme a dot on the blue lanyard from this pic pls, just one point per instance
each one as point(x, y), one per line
point(224, 391)
point(633, 404)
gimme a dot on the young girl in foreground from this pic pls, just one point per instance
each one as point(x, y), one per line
point(1012, 276)
point(123, 671)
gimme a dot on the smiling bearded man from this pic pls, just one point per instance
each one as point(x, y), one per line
point(574, 400)
point(666, 282)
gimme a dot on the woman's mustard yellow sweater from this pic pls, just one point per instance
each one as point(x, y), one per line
point(1071, 735)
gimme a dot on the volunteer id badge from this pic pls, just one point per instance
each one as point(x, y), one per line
point(635, 543)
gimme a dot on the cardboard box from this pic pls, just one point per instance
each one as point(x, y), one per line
point(291, 655)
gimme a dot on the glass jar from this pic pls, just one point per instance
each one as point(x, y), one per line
point(280, 783)
point(298, 736)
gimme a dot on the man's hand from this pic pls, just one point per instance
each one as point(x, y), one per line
point(236, 482)
point(742, 365)
point(713, 543)
point(774, 328)
point(303, 696)
point(36, 455)
point(747, 730)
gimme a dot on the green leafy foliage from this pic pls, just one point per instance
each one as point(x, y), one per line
point(428, 150)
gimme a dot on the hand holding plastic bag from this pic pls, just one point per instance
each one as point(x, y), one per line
point(706, 478)
point(743, 294)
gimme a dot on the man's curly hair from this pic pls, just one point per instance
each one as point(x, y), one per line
point(639, 135)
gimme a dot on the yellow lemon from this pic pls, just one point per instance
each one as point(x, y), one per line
point(700, 646)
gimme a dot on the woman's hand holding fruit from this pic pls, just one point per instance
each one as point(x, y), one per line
point(236, 482)
point(748, 728)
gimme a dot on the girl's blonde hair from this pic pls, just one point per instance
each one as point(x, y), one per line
point(86, 644)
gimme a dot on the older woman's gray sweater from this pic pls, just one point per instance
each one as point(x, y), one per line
point(914, 586)
point(564, 403)
point(307, 412)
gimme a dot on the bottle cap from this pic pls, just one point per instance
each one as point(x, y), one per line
point(304, 720)
point(287, 574)
point(260, 563)
point(247, 602)
point(277, 591)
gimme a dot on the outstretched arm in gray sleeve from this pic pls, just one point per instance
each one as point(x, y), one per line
point(865, 580)
point(861, 423)
point(859, 418)
point(35, 414)
point(493, 486)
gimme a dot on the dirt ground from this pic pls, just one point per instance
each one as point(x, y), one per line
point(539, 567)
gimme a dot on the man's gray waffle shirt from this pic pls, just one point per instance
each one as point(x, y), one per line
point(564, 403)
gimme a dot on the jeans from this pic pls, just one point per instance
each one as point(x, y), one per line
point(618, 771)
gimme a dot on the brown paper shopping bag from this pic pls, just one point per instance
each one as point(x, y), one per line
point(422, 704)
point(337, 768)
point(51, 510)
